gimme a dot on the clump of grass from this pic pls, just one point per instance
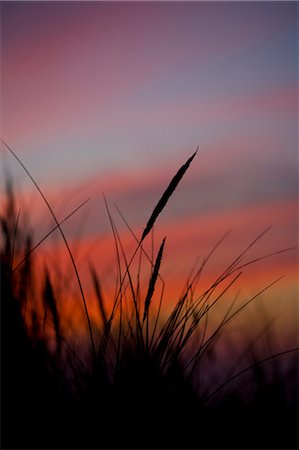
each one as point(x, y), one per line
point(139, 388)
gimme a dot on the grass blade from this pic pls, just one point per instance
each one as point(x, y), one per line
point(166, 195)
point(252, 366)
point(152, 283)
point(64, 239)
point(99, 294)
point(51, 303)
point(14, 240)
point(47, 235)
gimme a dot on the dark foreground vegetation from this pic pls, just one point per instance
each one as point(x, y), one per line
point(137, 383)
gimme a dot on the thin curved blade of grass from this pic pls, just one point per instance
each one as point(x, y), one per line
point(251, 345)
point(64, 239)
point(99, 294)
point(137, 312)
point(14, 239)
point(157, 315)
point(63, 340)
point(193, 282)
point(199, 354)
point(47, 235)
point(119, 297)
point(150, 260)
point(166, 195)
point(176, 315)
point(163, 341)
point(232, 268)
point(118, 260)
point(153, 280)
point(252, 366)
point(261, 258)
point(228, 319)
point(51, 303)
point(233, 265)
point(107, 329)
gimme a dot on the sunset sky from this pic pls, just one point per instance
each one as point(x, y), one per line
point(114, 96)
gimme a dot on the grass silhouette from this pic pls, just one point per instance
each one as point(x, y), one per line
point(137, 384)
